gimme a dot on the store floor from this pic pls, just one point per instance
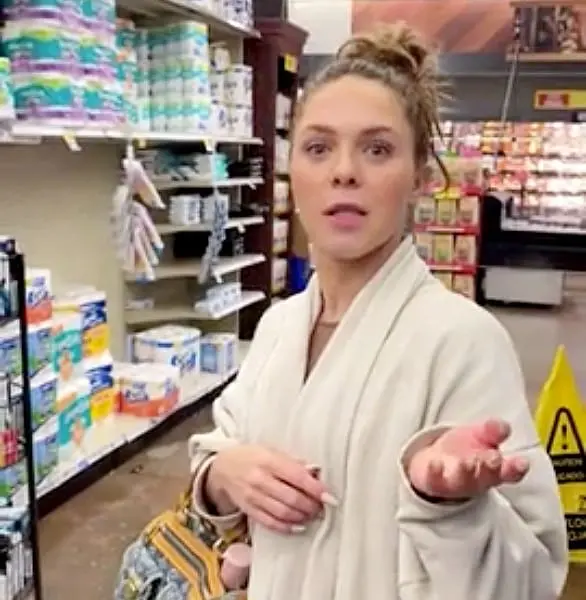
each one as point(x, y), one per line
point(81, 542)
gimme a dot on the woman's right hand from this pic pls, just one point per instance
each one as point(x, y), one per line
point(271, 488)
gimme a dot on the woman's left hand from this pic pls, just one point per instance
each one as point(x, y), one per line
point(465, 462)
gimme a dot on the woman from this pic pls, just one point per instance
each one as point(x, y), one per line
point(378, 438)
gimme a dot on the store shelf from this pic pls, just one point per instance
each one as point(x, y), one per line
point(159, 9)
point(452, 268)
point(26, 133)
point(121, 430)
point(236, 223)
point(166, 314)
point(453, 229)
point(165, 185)
point(192, 268)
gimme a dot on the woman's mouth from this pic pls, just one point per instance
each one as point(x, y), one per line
point(345, 216)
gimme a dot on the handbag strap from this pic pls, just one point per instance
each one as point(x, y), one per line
point(217, 540)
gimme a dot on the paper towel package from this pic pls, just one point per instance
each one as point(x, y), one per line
point(74, 416)
point(218, 353)
point(238, 85)
point(46, 450)
point(10, 358)
point(147, 390)
point(66, 352)
point(43, 397)
point(39, 304)
point(39, 346)
point(91, 307)
point(103, 400)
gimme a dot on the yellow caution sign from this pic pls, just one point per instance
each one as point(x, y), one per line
point(561, 423)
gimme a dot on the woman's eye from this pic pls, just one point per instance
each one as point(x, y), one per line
point(379, 149)
point(316, 148)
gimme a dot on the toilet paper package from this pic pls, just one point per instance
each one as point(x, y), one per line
point(38, 295)
point(219, 118)
point(127, 75)
point(218, 353)
point(220, 57)
point(95, 331)
point(43, 397)
point(170, 345)
point(7, 112)
point(197, 116)
point(189, 39)
point(99, 16)
point(158, 42)
point(158, 80)
point(126, 40)
point(158, 116)
point(10, 357)
point(238, 85)
point(73, 416)
point(240, 120)
point(148, 390)
point(103, 401)
point(39, 346)
point(94, 99)
point(63, 12)
point(114, 105)
point(50, 97)
point(36, 45)
point(173, 115)
point(218, 86)
point(66, 346)
point(46, 450)
point(195, 79)
point(97, 57)
point(173, 77)
point(144, 114)
point(142, 47)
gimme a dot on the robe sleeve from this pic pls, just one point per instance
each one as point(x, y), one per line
point(509, 544)
point(229, 416)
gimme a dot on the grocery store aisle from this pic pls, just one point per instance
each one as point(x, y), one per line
point(82, 542)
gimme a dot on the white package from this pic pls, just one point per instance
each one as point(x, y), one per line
point(238, 85)
point(170, 345)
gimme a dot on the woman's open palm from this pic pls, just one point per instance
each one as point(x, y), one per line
point(465, 462)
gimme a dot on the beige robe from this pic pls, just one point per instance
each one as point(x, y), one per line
point(408, 360)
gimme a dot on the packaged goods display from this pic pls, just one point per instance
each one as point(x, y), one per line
point(81, 66)
point(540, 166)
point(447, 223)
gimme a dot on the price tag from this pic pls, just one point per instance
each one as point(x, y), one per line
point(142, 143)
point(71, 142)
point(217, 277)
point(291, 63)
point(241, 229)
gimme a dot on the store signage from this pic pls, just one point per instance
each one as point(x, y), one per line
point(551, 30)
point(456, 26)
point(560, 100)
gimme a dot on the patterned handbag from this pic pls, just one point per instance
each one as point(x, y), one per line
point(178, 557)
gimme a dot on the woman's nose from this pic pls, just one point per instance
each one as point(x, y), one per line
point(345, 170)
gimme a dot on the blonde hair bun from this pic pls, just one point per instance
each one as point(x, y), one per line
point(396, 46)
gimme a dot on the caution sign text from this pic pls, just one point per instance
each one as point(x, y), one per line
point(566, 450)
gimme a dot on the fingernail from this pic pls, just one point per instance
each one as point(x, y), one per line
point(522, 465)
point(314, 470)
point(298, 529)
point(328, 499)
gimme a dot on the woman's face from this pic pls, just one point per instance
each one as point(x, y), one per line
point(352, 168)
